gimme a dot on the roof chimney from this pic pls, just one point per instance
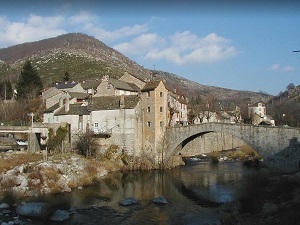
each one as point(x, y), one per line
point(67, 105)
point(122, 102)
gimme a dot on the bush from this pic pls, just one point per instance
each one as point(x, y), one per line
point(86, 145)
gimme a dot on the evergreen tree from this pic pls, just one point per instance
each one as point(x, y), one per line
point(6, 91)
point(29, 83)
point(66, 76)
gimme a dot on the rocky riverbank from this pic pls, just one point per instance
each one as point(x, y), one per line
point(59, 173)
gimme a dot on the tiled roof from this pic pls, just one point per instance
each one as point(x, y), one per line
point(52, 108)
point(122, 85)
point(89, 84)
point(150, 86)
point(113, 102)
point(75, 109)
point(79, 95)
point(65, 85)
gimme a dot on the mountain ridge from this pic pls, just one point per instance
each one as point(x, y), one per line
point(85, 57)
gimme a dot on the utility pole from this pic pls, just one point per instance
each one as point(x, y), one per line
point(30, 144)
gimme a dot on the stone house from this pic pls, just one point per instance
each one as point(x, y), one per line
point(90, 86)
point(51, 96)
point(129, 78)
point(113, 87)
point(178, 112)
point(258, 114)
point(118, 119)
point(120, 113)
point(69, 86)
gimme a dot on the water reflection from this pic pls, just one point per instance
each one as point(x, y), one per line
point(191, 192)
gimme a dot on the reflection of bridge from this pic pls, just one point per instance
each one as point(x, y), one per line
point(278, 146)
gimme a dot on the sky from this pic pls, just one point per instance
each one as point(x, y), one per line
point(241, 45)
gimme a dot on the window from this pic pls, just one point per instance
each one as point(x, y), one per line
point(148, 124)
point(96, 125)
point(161, 109)
point(161, 123)
point(160, 94)
point(148, 109)
point(148, 94)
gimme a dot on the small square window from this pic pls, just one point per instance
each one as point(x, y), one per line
point(148, 109)
point(161, 109)
point(160, 94)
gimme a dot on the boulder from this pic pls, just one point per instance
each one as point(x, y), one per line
point(129, 201)
point(4, 206)
point(160, 200)
point(60, 215)
point(34, 209)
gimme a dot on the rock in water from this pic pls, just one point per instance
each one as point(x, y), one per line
point(36, 209)
point(160, 200)
point(129, 201)
point(60, 215)
point(4, 206)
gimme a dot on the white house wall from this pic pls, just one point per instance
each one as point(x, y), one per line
point(124, 125)
point(74, 121)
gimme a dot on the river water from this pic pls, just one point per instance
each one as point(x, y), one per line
point(194, 192)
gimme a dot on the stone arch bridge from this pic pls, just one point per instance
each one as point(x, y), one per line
point(278, 146)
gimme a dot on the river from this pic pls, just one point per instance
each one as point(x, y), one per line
point(194, 192)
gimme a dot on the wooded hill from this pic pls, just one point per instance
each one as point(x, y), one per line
point(85, 57)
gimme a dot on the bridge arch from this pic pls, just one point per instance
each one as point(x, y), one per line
point(266, 140)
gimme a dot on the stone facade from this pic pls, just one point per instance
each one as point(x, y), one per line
point(155, 113)
point(211, 142)
point(122, 114)
point(278, 146)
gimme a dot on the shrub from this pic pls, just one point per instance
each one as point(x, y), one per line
point(111, 151)
point(86, 145)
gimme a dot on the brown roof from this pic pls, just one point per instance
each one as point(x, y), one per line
point(89, 84)
point(122, 85)
point(150, 86)
point(52, 108)
point(113, 102)
point(75, 109)
point(79, 95)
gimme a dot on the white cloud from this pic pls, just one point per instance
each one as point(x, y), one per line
point(187, 48)
point(33, 29)
point(279, 68)
point(82, 18)
point(141, 44)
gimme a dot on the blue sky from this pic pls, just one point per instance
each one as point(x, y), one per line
point(242, 45)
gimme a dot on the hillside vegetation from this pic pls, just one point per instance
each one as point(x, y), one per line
point(85, 57)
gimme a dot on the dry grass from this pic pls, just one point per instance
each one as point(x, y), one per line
point(10, 161)
point(243, 153)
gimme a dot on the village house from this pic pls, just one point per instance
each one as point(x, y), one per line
point(68, 86)
point(114, 87)
point(120, 113)
point(118, 119)
point(258, 114)
point(90, 86)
